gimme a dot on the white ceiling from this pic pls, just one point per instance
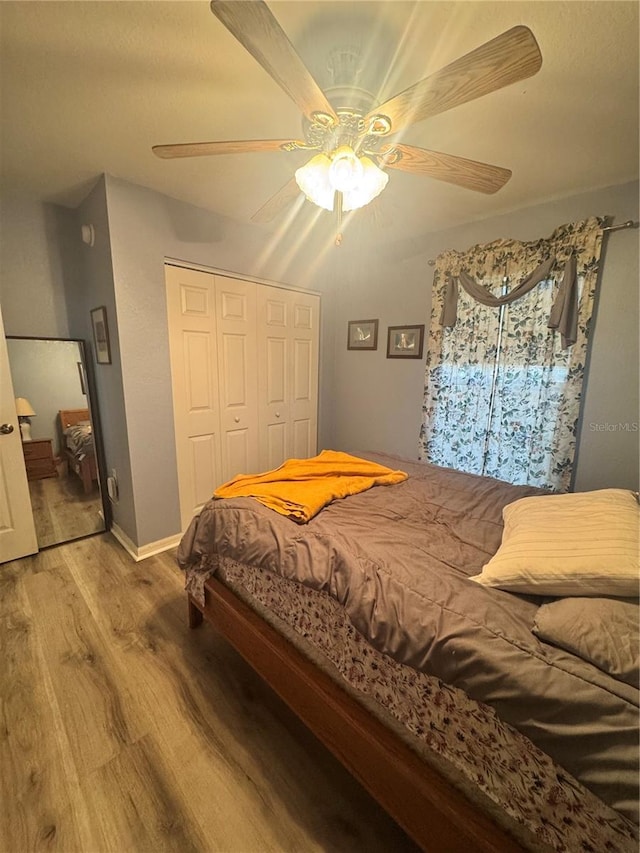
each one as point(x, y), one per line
point(89, 87)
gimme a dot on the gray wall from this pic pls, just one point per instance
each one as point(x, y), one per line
point(377, 401)
point(95, 288)
point(32, 267)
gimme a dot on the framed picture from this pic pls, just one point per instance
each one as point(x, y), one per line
point(101, 335)
point(405, 341)
point(362, 334)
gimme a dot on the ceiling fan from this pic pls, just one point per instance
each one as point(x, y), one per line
point(355, 142)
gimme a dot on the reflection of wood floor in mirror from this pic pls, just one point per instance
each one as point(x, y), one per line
point(62, 511)
point(125, 732)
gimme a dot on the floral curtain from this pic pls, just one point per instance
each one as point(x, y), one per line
point(502, 389)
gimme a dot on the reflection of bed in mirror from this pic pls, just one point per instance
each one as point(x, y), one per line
point(78, 446)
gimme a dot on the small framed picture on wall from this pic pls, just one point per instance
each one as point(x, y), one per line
point(362, 334)
point(101, 335)
point(405, 341)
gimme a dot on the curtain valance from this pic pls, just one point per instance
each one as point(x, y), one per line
point(564, 312)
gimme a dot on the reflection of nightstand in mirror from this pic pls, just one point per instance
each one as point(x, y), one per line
point(38, 458)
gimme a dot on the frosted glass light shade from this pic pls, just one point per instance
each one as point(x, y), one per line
point(345, 171)
point(357, 178)
point(313, 180)
point(24, 409)
point(370, 185)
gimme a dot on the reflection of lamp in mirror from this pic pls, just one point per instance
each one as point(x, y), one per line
point(25, 412)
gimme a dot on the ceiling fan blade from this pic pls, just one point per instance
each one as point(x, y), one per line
point(242, 146)
point(469, 174)
point(514, 55)
point(277, 203)
point(253, 24)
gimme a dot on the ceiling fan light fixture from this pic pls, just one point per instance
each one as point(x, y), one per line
point(343, 113)
point(357, 178)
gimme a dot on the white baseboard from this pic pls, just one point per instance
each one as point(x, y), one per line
point(142, 552)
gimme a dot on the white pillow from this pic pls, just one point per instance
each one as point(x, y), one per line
point(584, 543)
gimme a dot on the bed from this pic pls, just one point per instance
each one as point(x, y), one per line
point(78, 446)
point(474, 736)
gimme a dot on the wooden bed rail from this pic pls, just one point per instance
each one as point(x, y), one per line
point(430, 809)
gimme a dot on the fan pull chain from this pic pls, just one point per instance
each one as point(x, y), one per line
point(337, 203)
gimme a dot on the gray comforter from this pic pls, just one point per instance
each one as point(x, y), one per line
point(398, 559)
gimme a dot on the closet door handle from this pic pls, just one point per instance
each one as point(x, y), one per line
point(237, 419)
point(277, 414)
point(6, 429)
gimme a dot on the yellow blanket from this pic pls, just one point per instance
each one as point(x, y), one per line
point(299, 488)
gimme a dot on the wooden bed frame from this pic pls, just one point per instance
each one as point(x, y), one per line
point(86, 468)
point(429, 808)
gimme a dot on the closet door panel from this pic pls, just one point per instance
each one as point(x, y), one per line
point(276, 371)
point(199, 364)
point(238, 452)
point(277, 441)
point(274, 433)
point(237, 354)
point(191, 309)
point(273, 338)
point(304, 441)
point(287, 374)
point(203, 467)
point(304, 373)
point(236, 393)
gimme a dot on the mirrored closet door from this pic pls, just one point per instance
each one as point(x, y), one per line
point(58, 437)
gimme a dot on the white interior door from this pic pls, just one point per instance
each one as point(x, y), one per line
point(274, 392)
point(17, 530)
point(244, 367)
point(288, 339)
point(237, 375)
point(191, 308)
point(305, 320)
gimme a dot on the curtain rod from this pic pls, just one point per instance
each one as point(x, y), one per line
point(628, 224)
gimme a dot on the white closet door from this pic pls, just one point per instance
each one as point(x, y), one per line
point(274, 351)
point(191, 307)
point(237, 354)
point(287, 374)
point(244, 366)
point(303, 374)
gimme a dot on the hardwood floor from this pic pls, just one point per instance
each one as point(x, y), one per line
point(62, 511)
point(124, 731)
